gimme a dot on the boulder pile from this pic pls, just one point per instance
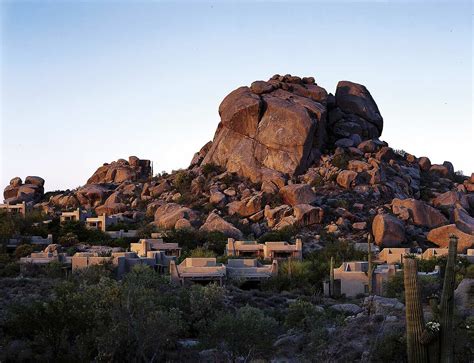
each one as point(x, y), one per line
point(287, 156)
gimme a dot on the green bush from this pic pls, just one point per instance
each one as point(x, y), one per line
point(284, 234)
point(341, 161)
point(300, 314)
point(391, 348)
point(318, 181)
point(211, 168)
point(68, 240)
point(23, 250)
point(182, 181)
point(247, 333)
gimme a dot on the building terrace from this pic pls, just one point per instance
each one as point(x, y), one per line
point(155, 244)
point(267, 250)
point(19, 208)
point(77, 215)
point(197, 269)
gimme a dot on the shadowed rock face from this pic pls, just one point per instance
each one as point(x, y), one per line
point(278, 128)
point(31, 191)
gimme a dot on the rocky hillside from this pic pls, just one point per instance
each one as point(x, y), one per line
point(287, 155)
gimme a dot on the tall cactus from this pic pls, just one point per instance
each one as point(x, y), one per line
point(331, 277)
point(446, 308)
point(416, 351)
point(371, 268)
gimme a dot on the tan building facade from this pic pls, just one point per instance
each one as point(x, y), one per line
point(20, 208)
point(200, 269)
point(77, 215)
point(392, 255)
point(268, 250)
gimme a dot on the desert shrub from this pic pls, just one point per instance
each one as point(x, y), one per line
point(247, 333)
point(300, 313)
point(470, 274)
point(341, 160)
point(400, 152)
point(54, 269)
point(95, 320)
point(189, 239)
point(342, 203)
point(318, 181)
point(211, 168)
point(145, 230)
point(182, 181)
point(68, 240)
point(459, 177)
point(284, 234)
point(200, 306)
point(429, 285)
point(23, 250)
point(201, 252)
point(391, 348)
point(273, 200)
point(10, 269)
point(91, 236)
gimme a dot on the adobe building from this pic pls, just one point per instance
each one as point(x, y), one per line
point(267, 250)
point(101, 222)
point(50, 253)
point(75, 216)
point(151, 244)
point(434, 252)
point(18, 209)
point(352, 278)
point(131, 233)
point(123, 261)
point(197, 269)
point(392, 255)
point(34, 240)
point(250, 269)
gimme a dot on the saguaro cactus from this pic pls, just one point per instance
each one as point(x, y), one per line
point(416, 351)
point(371, 267)
point(446, 309)
point(331, 277)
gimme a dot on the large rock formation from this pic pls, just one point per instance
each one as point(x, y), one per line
point(31, 191)
point(278, 128)
point(122, 170)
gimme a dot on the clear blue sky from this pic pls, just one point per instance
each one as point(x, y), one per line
point(90, 82)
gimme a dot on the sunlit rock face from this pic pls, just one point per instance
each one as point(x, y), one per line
point(278, 128)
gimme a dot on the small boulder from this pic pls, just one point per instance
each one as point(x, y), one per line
point(307, 215)
point(345, 178)
point(424, 163)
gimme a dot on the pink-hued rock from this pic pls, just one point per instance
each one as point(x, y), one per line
point(345, 178)
point(278, 128)
point(440, 237)
point(122, 170)
point(388, 231)
point(297, 194)
point(215, 223)
point(424, 163)
point(463, 220)
point(307, 215)
point(421, 213)
point(167, 215)
point(247, 206)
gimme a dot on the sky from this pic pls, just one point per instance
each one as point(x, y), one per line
point(88, 82)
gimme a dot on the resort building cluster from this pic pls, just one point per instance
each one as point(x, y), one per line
point(246, 260)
